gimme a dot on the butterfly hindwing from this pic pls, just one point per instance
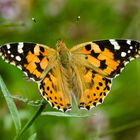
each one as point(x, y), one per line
point(97, 87)
point(90, 87)
point(31, 58)
point(55, 90)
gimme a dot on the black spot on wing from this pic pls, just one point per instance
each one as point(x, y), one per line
point(13, 47)
point(117, 55)
point(28, 47)
point(94, 103)
point(3, 50)
point(39, 67)
point(105, 44)
point(100, 84)
point(88, 47)
point(103, 65)
point(94, 54)
point(87, 107)
point(42, 49)
point(100, 100)
point(40, 56)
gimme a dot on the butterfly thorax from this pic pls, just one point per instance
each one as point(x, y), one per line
point(63, 54)
point(65, 69)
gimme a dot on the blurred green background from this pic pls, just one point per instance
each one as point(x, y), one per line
point(118, 117)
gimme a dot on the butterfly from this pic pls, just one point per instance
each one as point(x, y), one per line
point(84, 72)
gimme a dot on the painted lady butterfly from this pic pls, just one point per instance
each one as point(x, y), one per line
point(84, 71)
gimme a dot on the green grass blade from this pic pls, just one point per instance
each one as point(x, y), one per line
point(30, 121)
point(32, 137)
point(61, 114)
point(11, 105)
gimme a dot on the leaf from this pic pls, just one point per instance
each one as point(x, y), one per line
point(61, 114)
point(11, 105)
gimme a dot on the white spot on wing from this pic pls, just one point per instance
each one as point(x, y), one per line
point(20, 47)
point(121, 69)
point(132, 58)
point(8, 46)
point(136, 55)
point(115, 44)
point(123, 54)
point(126, 63)
point(131, 47)
point(25, 73)
point(12, 55)
point(129, 51)
point(19, 67)
point(18, 58)
point(116, 75)
point(7, 61)
point(83, 108)
point(12, 63)
point(2, 57)
point(128, 42)
point(8, 52)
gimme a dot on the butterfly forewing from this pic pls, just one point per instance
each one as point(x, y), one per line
point(31, 58)
point(121, 52)
point(107, 57)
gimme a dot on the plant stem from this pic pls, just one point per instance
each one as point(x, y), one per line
point(30, 122)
